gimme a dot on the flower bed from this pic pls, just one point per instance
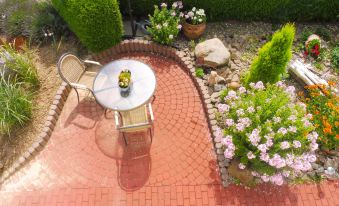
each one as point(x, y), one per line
point(270, 134)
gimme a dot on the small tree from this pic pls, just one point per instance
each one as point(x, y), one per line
point(273, 57)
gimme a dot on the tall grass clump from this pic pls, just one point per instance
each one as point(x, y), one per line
point(16, 106)
point(22, 66)
point(273, 57)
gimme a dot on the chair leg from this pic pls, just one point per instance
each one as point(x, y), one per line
point(151, 134)
point(123, 135)
point(77, 94)
point(153, 98)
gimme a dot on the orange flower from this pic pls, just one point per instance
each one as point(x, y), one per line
point(331, 83)
point(336, 123)
point(330, 105)
point(337, 136)
point(316, 112)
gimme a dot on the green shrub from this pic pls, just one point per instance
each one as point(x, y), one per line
point(323, 33)
point(22, 65)
point(305, 34)
point(46, 22)
point(273, 57)
point(16, 106)
point(269, 10)
point(199, 72)
point(266, 131)
point(335, 57)
point(97, 23)
point(164, 26)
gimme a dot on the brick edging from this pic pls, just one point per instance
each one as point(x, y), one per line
point(45, 134)
point(187, 64)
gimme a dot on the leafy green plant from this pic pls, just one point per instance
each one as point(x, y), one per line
point(313, 48)
point(199, 72)
point(305, 34)
point(273, 57)
point(22, 65)
point(97, 23)
point(323, 33)
point(165, 26)
point(335, 57)
point(16, 106)
point(266, 131)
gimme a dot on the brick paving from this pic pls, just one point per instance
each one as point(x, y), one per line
point(86, 162)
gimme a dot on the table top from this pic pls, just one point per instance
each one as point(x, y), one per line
point(107, 92)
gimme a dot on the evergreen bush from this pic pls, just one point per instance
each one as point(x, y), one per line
point(97, 23)
point(273, 57)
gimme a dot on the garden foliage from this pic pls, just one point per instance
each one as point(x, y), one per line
point(97, 23)
point(165, 25)
point(269, 10)
point(273, 57)
point(323, 103)
point(266, 131)
point(335, 57)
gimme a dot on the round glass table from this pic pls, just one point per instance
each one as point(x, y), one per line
point(107, 92)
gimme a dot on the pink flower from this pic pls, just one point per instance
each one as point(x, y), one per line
point(242, 90)
point(179, 26)
point(218, 134)
point(276, 119)
point(241, 166)
point(264, 157)
point(277, 161)
point(186, 16)
point(227, 141)
point(255, 174)
point(229, 122)
point(240, 112)
point(313, 146)
point(263, 148)
point(259, 85)
point(269, 143)
point(277, 179)
point(240, 127)
point(228, 154)
point(246, 121)
point(292, 118)
point(231, 95)
point(292, 129)
point(265, 178)
point(284, 145)
point(254, 137)
point(190, 14)
point(281, 84)
point(290, 90)
point(223, 108)
point(296, 144)
point(286, 173)
point(250, 155)
point(251, 109)
point(311, 158)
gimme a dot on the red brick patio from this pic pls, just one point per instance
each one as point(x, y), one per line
point(86, 162)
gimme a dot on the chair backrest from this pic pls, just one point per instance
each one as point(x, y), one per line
point(136, 119)
point(70, 68)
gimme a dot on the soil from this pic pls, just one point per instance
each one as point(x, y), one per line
point(45, 58)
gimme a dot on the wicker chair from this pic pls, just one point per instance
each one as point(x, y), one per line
point(71, 68)
point(135, 120)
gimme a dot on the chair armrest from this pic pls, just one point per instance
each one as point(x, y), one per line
point(116, 117)
point(92, 62)
point(151, 111)
point(79, 86)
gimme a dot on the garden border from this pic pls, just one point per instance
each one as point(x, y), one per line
point(187, 63)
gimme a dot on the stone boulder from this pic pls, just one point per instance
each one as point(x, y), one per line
point(214, 78)
point(212, 53)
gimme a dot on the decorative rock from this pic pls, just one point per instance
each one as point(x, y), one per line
point(244, 175)
point(225, 183)
point(219, 151)
point(235, 78)
point(214, 78)
point(213, 122)
point(211, 116)
point(234, 85)
point(315, 166)
point(218, 87)
point(221, 157)
point(218, 145)
point(212, 53)
point(215, 97)
point(226, 162)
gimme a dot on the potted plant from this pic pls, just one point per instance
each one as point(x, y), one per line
point(194, 24)
point(125, 81)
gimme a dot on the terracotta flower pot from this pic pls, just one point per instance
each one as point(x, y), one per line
point(192, 31)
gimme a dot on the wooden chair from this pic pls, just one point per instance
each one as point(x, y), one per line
point(71, 69)
point(135, 120)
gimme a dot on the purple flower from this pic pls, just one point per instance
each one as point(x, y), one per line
point(269, 143)
point(240, 127)
point(296, 144)
point(284, 145)
point(250, 155)
point(282, 130)
point(228, 154)
point(313, 146)
point(277, 179)
point(286, 173)
point(254, 137)
point(290, 90)
point(255, 174)
point(241, 166)
point(246, 121)
point(223, 108)
point(311, 158)
point(231, 95)
point(218, 134)
point(227, 141)
point(281, 84)
point(264, 157)
point(277, 161)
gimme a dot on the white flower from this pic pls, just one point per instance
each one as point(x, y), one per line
point(179, 26)
point(242, 166)
point(181, 14)
point(173, 13)
point(170, 36)
point(180, 4)
point(174, 5)
point(190, 14)
point(163, 5)
point(158, 26)
point(193, 9)
point(186, 16)
point(165, 24)
point(200, 20)
point(45, 34)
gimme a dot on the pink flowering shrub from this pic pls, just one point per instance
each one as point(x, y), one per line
point(269, 133)
point(165, 25)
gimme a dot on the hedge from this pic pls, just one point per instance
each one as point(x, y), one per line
point(97, 23)
point(267, 10)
